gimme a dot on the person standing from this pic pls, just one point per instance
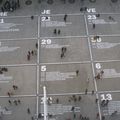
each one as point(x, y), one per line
point(65, 17)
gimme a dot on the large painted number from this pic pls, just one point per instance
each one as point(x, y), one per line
point(43, 68)
point(98, 65)
point(99, 40)
point(46, 42)
point(45, 18)
point(106, 97)
point(91, 17)
point(1, 20)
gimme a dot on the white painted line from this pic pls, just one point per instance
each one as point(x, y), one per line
point(94, 76)
point(61, 14)
point(18, 16)
point(88, 38)
point(37, 79)
point(38, 27)
point(116, 91)
point(107, 61)
point(80, 13)
point(86, 26)
point(13, 96)
point(90, 49)
point(38, 55)
point(4, 81)
point(98, 103)
point(109, 13)
point(38, 52)
point(37, 105)
point(17, 65)
point(63, 63)
point(38, 68)
point(111, 35)
point(65, 37)
point(67, 94)
point(17, 39)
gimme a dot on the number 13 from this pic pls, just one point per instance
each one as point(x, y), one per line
point(106, 97)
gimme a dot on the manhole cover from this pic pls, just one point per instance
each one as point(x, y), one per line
point(28, 2)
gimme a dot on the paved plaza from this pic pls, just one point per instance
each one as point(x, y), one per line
point(70, 46)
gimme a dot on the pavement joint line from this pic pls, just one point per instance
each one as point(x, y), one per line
point(67, 94)
point(38, 52)
point(18, 16)
point(17, 65)
point(99, 108)
point(17, 39)
point(109, 13)
point(116, 91)
point(90, 50)
point(111, 35)
point(53, 14)
point(39, 27)
point(80, 13)
point(61, 94)
point(82, 36)
point(63, 63)
point(62, 14)
point(86, 13)
point(39, 15)
point(38, 67)
point(38, 56)
point(65, 37)
point(37, 79)
point(86, 26)
point(14, 96)
point(93, 70)
point(107, 61)
point(37, 105)
point(39, 73)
